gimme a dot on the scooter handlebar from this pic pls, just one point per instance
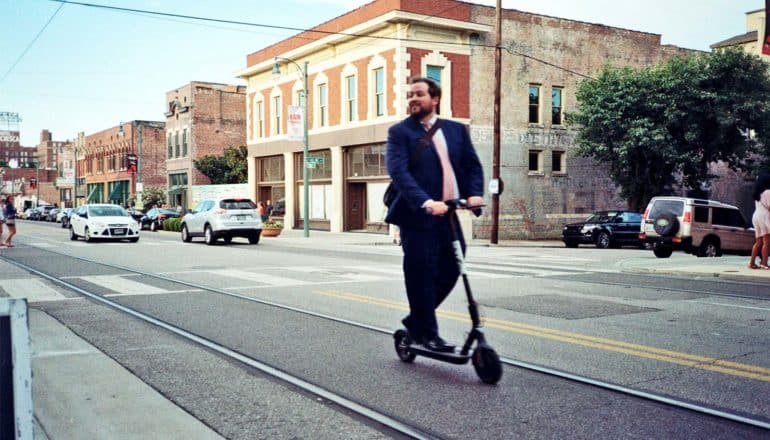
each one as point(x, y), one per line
point(462, 204)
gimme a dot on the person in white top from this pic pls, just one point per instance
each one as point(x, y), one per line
point(761, 221)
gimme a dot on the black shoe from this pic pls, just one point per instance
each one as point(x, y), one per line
point(439, 345)
point(416, 337)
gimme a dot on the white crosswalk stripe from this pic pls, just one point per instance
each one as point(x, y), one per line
point(261, 277)
point(397, 271)
point(123, 285)
point(31, 288)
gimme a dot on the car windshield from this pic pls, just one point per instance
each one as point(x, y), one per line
point(167, 211)
point(601, 217)
point(107, 211)
point(237, 204)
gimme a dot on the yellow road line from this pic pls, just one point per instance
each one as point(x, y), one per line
point(643, 351)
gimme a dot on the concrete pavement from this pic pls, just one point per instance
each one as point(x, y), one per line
point(79, 392)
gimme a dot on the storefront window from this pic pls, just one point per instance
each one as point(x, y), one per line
point(367, 161)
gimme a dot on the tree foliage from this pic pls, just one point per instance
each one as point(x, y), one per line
point(153, 196)
point(230, 167)
point(664, 125)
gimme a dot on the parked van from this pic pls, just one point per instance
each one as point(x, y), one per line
point(706, 228)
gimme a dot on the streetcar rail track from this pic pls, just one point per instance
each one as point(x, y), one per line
point(355, 407)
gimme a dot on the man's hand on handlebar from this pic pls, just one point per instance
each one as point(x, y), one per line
point(436, 208)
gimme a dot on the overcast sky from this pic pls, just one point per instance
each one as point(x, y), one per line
point(92, 68)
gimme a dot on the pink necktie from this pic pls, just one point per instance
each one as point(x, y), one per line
point(449, 191)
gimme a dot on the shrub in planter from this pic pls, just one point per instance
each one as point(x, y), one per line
point(172, 224)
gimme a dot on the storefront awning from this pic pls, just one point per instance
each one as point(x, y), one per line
point(92, 194)
point(117, 192)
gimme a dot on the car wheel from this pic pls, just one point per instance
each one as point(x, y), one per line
point(667, 224)
point(153, 226)
point(186, 234)
point(228, 240)
point(87, 236)
point(603, 240)
point(571, 243)
point(254, 239)
point(709, 248)
point(73, 235)
point(662, 251)
point(208, 236)
point(134, 239)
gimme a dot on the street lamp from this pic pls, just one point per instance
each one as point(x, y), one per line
point(305, 190)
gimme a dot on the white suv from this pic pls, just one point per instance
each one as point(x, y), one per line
point(703, 227)
point(222, 218)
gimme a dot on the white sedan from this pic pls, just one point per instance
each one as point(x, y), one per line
point(103, 221)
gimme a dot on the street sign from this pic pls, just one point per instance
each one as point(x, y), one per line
point(314, 161)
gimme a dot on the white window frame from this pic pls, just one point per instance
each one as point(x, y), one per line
point(259, 118)
point(349, 106)
point(377, 62)
point(436, 59)
point(276, 114)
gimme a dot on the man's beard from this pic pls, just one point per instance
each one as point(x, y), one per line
point(420, 112)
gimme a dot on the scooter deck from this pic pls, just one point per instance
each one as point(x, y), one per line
point(454, 358)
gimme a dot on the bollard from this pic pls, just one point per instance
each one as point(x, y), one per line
point(15, 371)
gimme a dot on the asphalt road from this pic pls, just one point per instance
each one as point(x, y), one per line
point(702, 341)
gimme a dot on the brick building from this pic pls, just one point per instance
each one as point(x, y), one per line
point(12, 153)
point(358, 70)
point(104, 164)
point(202, 118)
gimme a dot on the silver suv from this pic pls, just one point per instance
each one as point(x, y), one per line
point(223, 218)
point(697, 226)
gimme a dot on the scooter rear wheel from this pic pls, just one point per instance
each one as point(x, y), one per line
point(487, 364)
point(402, 341)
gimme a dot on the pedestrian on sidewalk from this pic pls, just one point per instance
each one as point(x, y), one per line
point(2, 220)
point(430, 160)
point(10, 220)
point(761, 221)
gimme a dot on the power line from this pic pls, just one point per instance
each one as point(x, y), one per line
point(31, 43)
point(303, 30)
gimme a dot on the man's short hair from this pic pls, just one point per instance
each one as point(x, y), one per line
point(434, 90)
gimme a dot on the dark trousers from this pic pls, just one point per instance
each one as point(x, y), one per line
point(430, 273)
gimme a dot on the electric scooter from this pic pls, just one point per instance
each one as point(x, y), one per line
point(485, 360)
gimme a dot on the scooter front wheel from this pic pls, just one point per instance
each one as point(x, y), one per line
point(487, 364)
point(402, 341)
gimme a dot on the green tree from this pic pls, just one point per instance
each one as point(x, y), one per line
point(230, 167)
point(153, 195)
point(664, 125)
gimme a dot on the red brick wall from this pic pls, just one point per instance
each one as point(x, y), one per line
point(335, 94)
point(461, 71)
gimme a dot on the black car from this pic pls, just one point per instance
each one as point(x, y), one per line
point(155, 217)
point(605, 229)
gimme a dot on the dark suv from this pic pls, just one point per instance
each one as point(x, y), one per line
point(605, 229)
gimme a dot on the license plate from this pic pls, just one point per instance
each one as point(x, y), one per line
point(649, 228)
point(241, 218)
point(118, 231)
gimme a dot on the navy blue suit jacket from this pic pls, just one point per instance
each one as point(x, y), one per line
point(424, 179)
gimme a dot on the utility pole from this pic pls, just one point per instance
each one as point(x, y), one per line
point(496, 123)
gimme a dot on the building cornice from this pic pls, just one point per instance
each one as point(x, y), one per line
point(363, 30)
